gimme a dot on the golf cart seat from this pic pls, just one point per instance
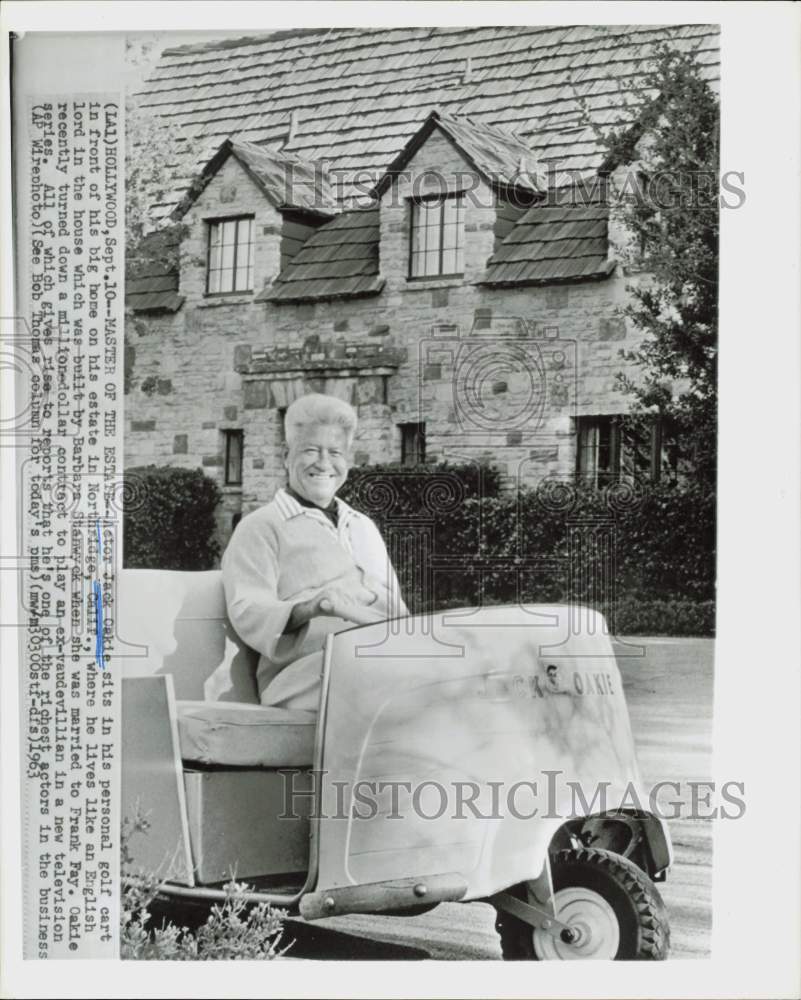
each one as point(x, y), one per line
point(180, 625)
point(238, 735)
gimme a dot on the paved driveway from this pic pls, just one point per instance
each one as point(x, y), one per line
point(668, 684)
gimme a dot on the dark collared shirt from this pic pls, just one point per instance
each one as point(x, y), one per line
point(331, 511)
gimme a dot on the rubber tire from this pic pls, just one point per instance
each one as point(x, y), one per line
point(641, 914)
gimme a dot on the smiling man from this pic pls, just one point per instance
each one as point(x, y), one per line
point(307, 563)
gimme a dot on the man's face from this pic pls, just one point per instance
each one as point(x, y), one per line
point(318, 462)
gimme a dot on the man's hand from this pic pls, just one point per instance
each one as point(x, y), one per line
point(348, 600)
point(351, 603)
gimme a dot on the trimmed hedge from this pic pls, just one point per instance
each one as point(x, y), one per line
point(431, 489)
point(644, 555)
point(168, 519)
point(676, 618)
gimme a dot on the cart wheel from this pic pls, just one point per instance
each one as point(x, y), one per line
point(612, 905)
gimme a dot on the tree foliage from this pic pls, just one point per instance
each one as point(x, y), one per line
point(672, 213)
point(152, 160)
point(168, 518)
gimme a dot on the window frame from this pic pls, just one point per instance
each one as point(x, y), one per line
point(597, 478)
point(658, 437)
point(230, 434)
point(442, 197)
point(419, 448)
point(218, 221)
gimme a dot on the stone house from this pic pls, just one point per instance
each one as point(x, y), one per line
point(411, 219)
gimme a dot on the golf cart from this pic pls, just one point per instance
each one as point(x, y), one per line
point(476, 754)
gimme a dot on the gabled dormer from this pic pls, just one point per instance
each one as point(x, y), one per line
point(248, 213)
point(450, 196)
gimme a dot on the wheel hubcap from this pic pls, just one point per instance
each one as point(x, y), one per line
point(596, 932)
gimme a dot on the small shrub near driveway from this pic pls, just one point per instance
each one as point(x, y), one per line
point(234, 930)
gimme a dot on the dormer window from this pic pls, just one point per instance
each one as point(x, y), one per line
point(436, 242)
point(229, 266)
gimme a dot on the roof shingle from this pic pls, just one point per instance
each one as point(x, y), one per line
point(500, 157)
point(360, 95)
point(152, 279)
point(562, 239)
point(339, 260)
point(288, 182)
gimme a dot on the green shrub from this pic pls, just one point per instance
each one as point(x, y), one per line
point(546, 544)
point(661, 536)
point(634, 616)
point(444, 500)
point(168, 519)
point(431, 490)
point(234, 929)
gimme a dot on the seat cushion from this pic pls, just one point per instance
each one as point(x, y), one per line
point(240, 735)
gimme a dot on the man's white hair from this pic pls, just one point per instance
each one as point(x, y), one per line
point(316, 408)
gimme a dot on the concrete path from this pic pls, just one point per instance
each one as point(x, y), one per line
point(670, 704)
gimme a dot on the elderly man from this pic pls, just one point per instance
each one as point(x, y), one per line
point(307, 564)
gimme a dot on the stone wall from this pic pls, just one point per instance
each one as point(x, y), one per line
point(492, 371)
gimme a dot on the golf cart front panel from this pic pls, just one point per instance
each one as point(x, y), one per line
point(454, 743)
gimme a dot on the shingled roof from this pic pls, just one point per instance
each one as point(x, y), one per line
point(288, 182)
point(497, 155)
point(152, 280)
point(339, 260)
point(564, 239)
point(358, 96)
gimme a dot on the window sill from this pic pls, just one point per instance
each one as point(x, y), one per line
point(426, 284)
point(231, 489)
point(237, 299)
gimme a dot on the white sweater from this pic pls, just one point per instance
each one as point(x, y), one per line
point(282, 554)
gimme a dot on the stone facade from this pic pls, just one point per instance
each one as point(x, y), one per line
point(492, 371)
